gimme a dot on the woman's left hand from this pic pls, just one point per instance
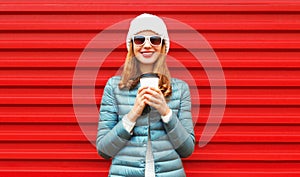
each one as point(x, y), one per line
point(155, 98)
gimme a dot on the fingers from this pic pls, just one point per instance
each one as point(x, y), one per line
point(158, 103)
point(154, 92)
point(155, 89)
point(150, 100)
point(153, 99)
point(142, 89)
point(154, 96)
point(152, 104)
point(150, 94)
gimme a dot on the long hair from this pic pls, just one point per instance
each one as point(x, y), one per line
point(130, 76)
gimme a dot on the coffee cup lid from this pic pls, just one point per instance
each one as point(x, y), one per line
point(149, 75)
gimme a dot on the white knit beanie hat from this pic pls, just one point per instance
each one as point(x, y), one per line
point(148, 22)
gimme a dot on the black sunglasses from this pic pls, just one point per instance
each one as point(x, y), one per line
point(140, 40)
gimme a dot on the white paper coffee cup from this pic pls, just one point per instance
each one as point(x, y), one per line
point(149, 80)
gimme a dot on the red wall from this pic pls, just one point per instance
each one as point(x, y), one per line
point(256, 41)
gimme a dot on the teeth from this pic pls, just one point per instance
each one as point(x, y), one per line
point(147, 54)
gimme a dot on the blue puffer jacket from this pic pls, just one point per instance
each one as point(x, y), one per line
point(169, 141)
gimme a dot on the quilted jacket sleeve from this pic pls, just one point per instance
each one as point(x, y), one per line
point(180, 128)
point(111, 136)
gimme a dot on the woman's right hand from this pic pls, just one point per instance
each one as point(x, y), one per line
point(139, 105)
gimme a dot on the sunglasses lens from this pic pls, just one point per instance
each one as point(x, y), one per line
point(155, 40)
point(139, 40)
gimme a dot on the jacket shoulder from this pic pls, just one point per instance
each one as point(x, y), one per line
point(179, 83)
point(113, 82)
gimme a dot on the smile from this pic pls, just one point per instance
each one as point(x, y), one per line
point(147, 54)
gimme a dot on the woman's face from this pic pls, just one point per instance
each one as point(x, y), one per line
point(146, 53)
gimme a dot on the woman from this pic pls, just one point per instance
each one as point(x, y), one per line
point(146, 143)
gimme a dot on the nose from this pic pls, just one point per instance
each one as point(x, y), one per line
point(147, 43)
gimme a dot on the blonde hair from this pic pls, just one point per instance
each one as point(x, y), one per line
point(131, 72)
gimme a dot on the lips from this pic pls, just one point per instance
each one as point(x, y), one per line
point(147, 54)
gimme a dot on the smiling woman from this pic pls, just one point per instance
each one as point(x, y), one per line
point(146, 143)
point(146, 53)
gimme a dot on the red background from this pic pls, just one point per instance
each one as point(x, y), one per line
point(256, 41)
